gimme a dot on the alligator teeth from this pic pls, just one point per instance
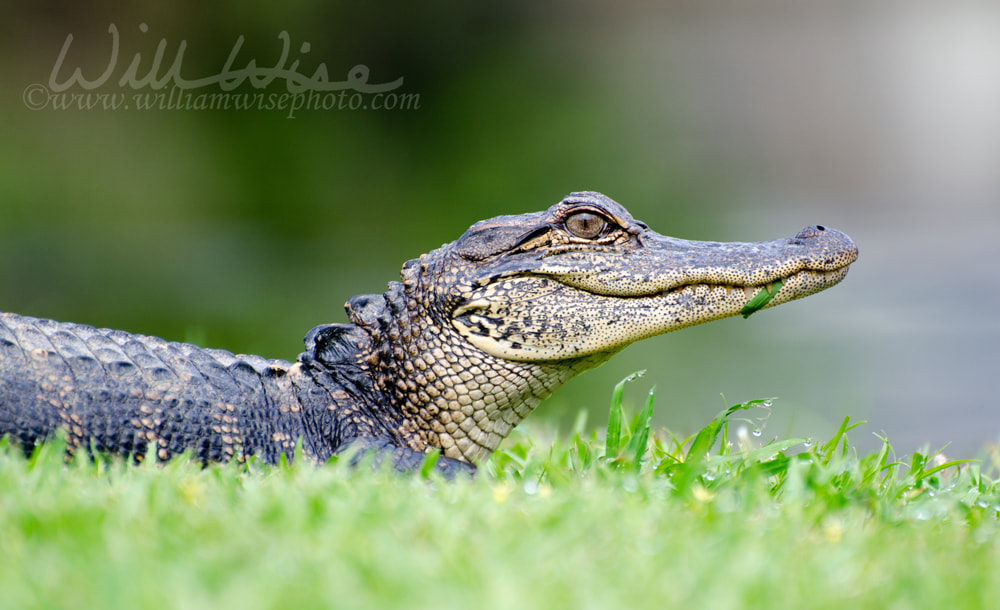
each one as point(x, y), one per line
point(749, 291)
point(770, 287)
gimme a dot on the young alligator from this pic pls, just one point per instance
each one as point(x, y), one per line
point(474, 337)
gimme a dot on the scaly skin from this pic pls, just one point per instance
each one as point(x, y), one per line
point(453, 357)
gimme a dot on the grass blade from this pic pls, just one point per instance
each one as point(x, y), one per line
point(615, 415)
point(706, 437)
point(761, 299)
point(636, 447)
point(923, 474)
point(430, 461)
point(831, 445)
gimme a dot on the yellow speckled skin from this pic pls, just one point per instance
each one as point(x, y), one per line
point(474, 337)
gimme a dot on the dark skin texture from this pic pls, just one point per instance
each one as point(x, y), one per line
point(450, 358)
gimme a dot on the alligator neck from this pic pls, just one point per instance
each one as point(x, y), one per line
point(444, 391)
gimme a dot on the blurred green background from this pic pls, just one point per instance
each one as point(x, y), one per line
point(241, 229)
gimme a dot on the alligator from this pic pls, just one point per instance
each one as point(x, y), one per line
point(451, 358)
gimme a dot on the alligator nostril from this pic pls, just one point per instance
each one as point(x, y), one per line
point(810, 232)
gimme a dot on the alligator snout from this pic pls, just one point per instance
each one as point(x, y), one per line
point(827, 249)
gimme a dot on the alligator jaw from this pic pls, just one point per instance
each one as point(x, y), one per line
point(795, 286)
point(515, 326)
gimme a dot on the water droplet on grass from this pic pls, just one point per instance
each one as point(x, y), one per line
point(808, 443)
point(757, 431)
point(767, 403)
point(531, 487)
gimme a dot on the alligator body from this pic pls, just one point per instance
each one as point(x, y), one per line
point(475, 335)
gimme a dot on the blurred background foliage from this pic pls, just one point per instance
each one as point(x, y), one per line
point(708, 120)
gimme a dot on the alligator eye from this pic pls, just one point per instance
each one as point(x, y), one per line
point(586, 225)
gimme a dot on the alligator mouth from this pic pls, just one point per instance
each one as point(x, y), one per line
point(701, 301)
point(535, 318)
point(750, 291)
point(728, 299)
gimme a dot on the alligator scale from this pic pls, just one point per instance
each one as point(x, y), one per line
point(475, 335)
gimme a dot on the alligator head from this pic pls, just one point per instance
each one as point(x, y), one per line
point(484, 328)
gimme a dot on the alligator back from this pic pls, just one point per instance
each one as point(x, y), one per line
point(119, 392)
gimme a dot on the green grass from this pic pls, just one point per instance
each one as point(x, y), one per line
point(631, 517)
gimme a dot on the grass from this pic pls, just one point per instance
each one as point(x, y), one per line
point(629, 518)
